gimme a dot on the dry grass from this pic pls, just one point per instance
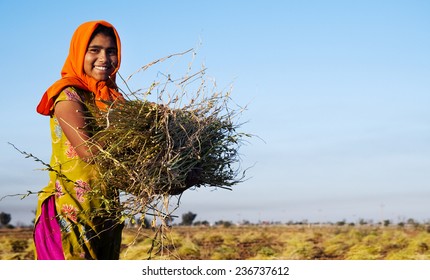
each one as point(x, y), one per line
point(153, 150)
point(257, 243)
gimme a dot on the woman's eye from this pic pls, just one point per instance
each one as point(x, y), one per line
point(111, 52)
point(93, 50)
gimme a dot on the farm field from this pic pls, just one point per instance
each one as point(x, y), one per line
point(273, 242)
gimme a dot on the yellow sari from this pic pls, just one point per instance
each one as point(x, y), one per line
point(86, 232)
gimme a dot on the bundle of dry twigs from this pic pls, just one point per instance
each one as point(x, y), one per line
point(153, 150)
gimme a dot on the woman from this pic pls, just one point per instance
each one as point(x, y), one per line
point(71, 221)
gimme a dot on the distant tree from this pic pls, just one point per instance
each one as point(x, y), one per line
point(386, 223)
point(413, 223)
point(227, 224)
point(5, 218)
point(144, 222)
point(201, 223)
point(188, 218)
point(223, 223)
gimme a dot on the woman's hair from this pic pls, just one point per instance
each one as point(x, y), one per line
point(101, 29)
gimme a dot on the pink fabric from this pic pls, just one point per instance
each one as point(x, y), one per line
point(47, 233)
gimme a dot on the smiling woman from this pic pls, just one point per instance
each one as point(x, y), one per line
point(101, 58)
point(71, 219)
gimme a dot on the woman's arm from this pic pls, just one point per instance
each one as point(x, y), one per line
point(72, 121)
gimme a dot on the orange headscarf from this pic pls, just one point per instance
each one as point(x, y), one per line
point(73, 73)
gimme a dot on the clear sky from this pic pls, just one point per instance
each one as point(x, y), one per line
point(338, 90)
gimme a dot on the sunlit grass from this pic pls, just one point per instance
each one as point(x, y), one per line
point(256, 243)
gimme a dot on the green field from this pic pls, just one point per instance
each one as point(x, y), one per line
point(273, 242)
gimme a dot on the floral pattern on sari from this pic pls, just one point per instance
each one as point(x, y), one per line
point(58, 189)
point(70, 212)
point(81, 189)
point(70, 151)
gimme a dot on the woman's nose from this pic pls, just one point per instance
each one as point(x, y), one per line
point(103, 57)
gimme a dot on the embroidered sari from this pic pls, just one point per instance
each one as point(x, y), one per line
point(86, 231)
point(71, 208)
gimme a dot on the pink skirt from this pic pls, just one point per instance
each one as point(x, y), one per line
point(47, 233)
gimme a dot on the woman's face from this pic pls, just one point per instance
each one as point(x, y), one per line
point(101, 57)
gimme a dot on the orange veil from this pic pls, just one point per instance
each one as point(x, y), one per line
point(73, 73)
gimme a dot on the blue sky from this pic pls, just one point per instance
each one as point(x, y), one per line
point(338, 91)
